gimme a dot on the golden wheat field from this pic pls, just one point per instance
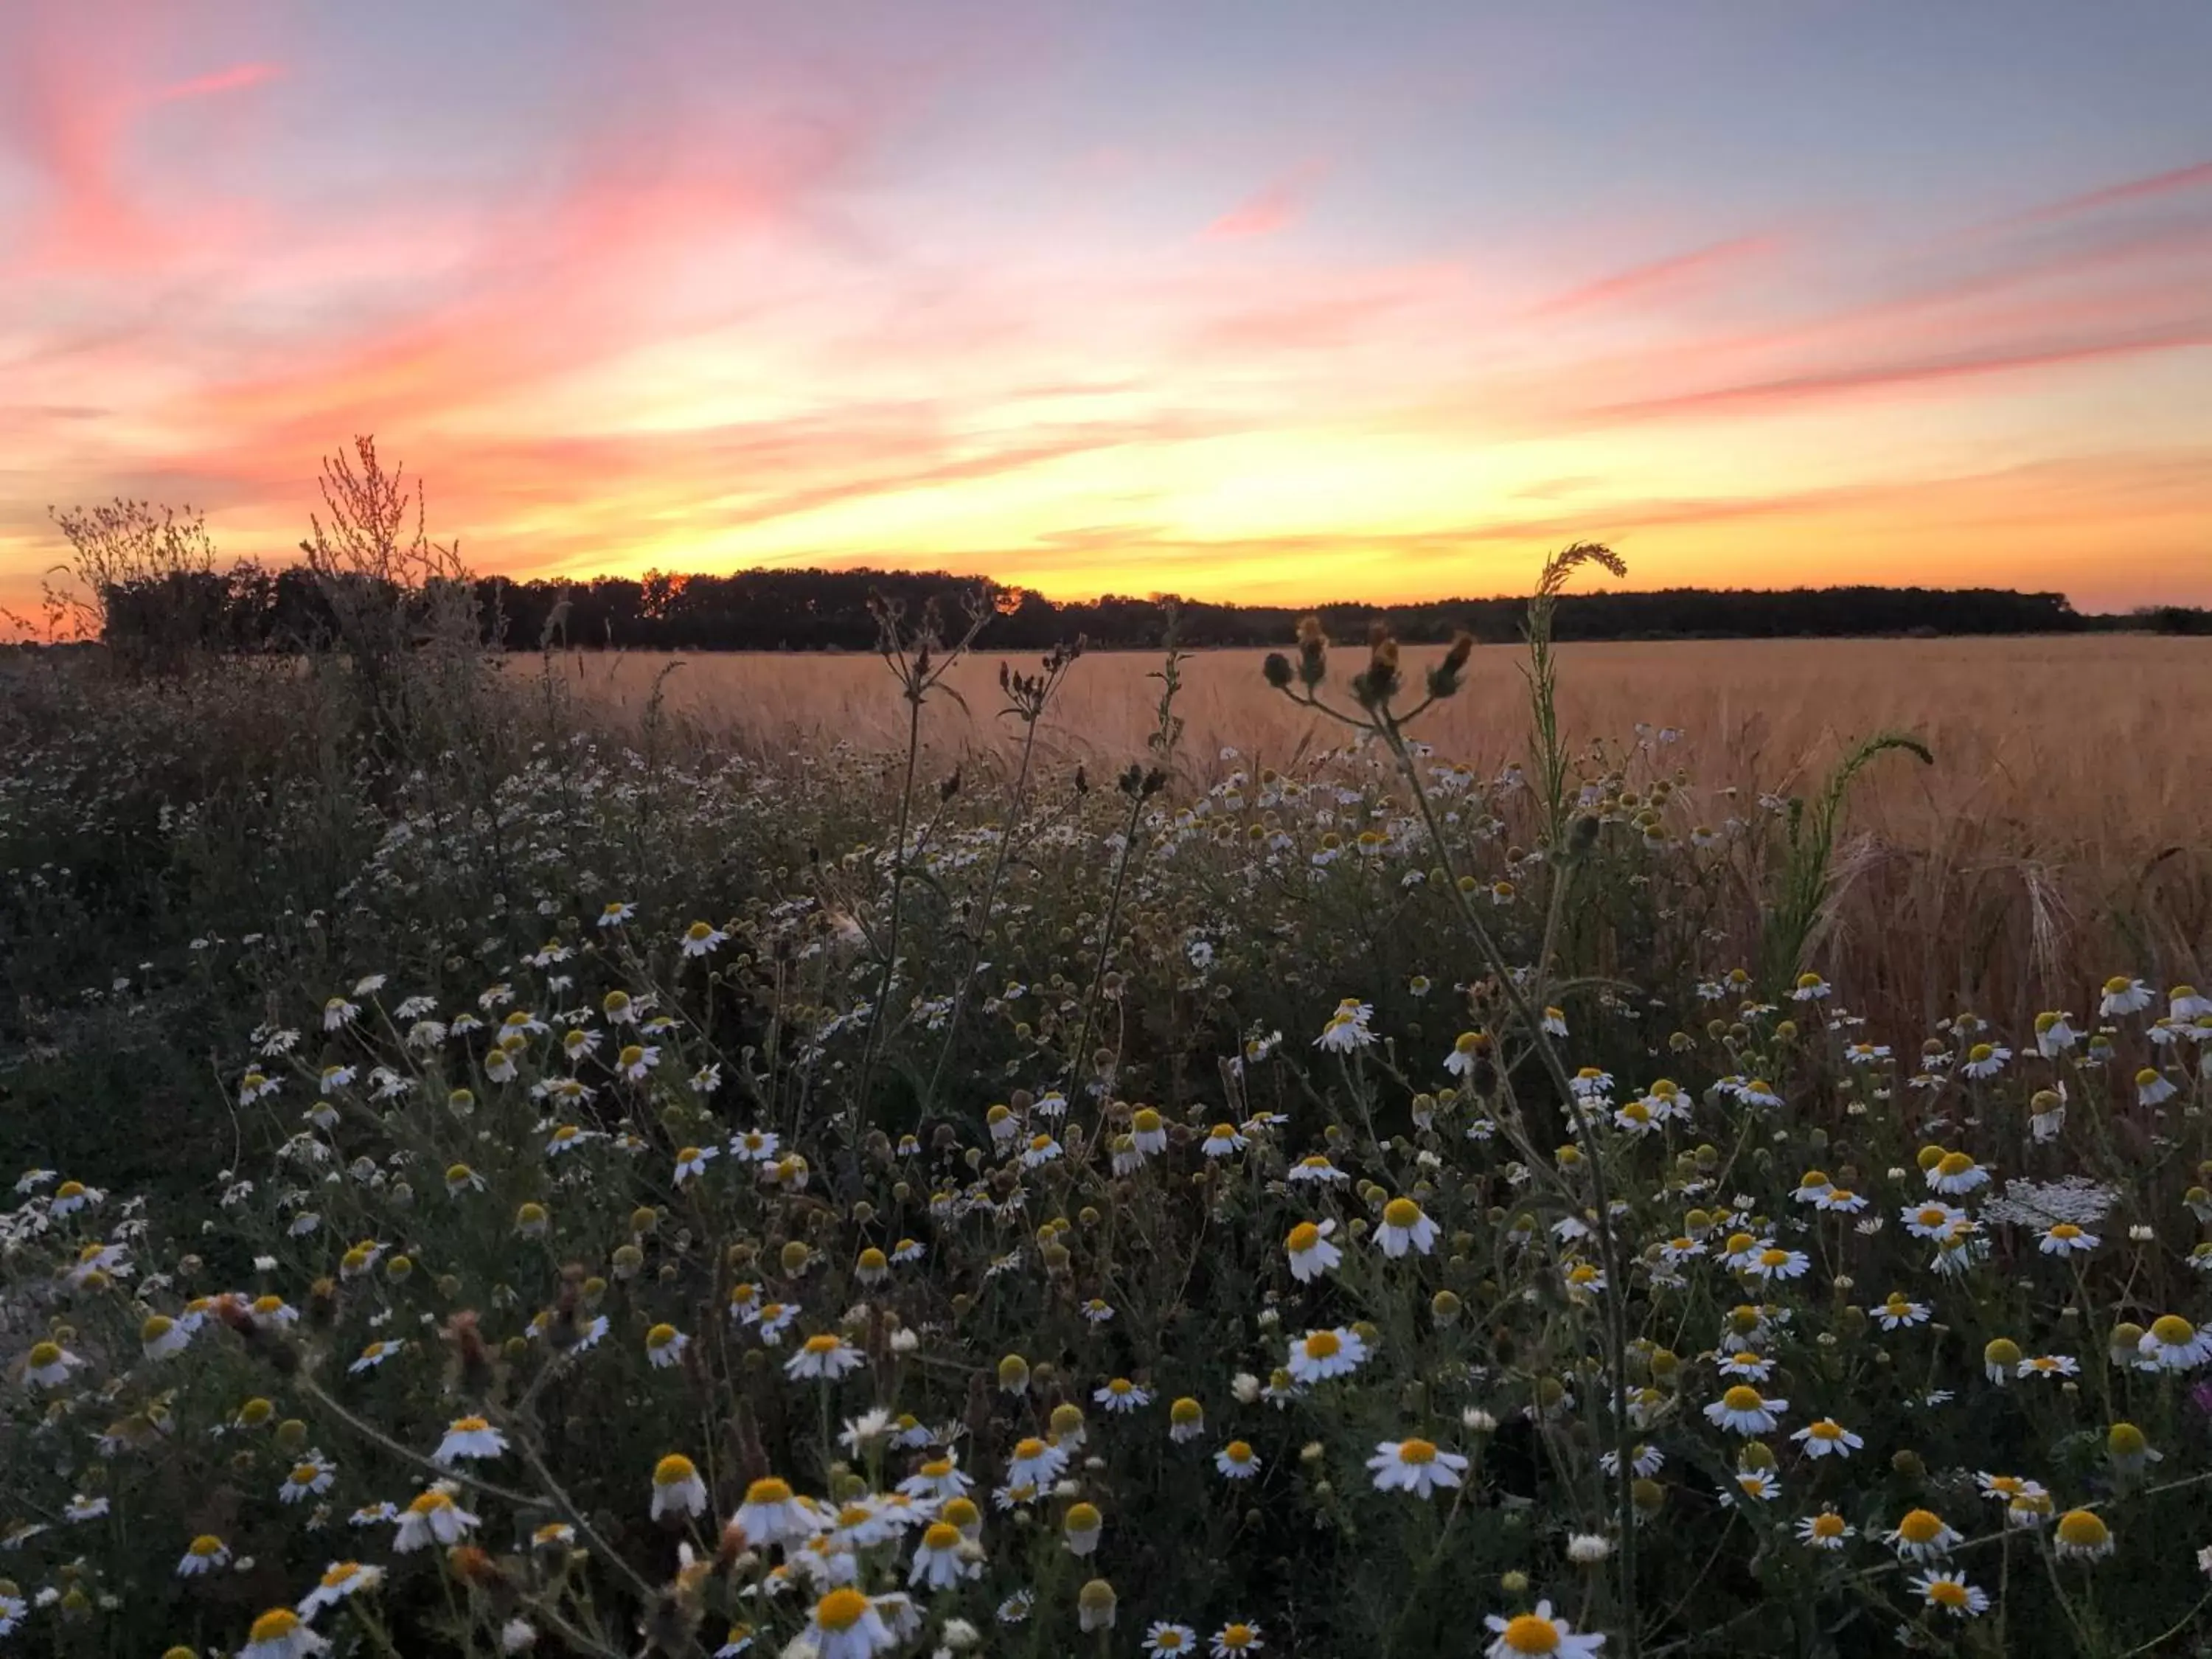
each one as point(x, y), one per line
point(2076, 743)
point(2069, 809)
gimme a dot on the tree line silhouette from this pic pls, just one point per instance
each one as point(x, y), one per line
point(251, 609)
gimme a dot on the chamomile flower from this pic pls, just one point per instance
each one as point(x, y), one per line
point(1825, 1531)
point(1416, 1465)
point(1899, 1312)
point(1953, 1173)
point(1950, 1592)
point(1234, 1639)
point(340, 1580)
point(2066, 1239)
point(1405, 1227)
point(677, 1487)
point(48, 1365)
point(281, 1633)
point(664, 1345)
point(1168, 1640)
point(1347, 1029)
point(2173, 1344)
point(1827, 1439)
point(938, 1478)
point(823, 1357)
point(308, 1478)
point(2081, 1535)
point(845, 1625)
point(2123, 995)
point(1985, 1059)
point(1319, 1355)
point(943, 1558)
point(771, 1514)
point(1743, 1410)
point(1236, 1461)
point(1121, 1396)
point(470, 1438)
point(1538, 1634)
point(1923, 1536)
point(1222, 1141)
point(432, 1518)
point(205, 1553)
point(1310, 1253)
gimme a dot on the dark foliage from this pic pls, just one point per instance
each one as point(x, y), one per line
point(250, 609)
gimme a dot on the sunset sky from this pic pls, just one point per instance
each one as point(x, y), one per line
point(1278, 299)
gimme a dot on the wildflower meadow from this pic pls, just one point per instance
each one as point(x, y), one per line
point(519, 1186)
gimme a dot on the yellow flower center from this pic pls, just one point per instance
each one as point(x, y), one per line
point(941, 1535)
point(769, 1490)
point(661, 1336)
point(2083, 1529)
point(305, 1474)
point(841, 1609)
point(2172, 1330)
point(1827, 1429)
point(1186, 1410)
point(1237, 1451)
point(1529, 1634)
point(1401, 1213)
point(1920, 1527)
point(822, 1343)
point(274, 1625)
point(1236, 1637)
point(1027, 1449)
point(1953, 1163)
point(1038, 1143)
point(1417, 1451)
point(44, 1354)
point(1323, 1344)
point(674, 1470)
point(1828, 1524)
point(207, 1544)
point(1742, 1398)
point(470, 1424)
point(1773, 1258)
point(1304, 1237)
point(1947, 1592)
point(339, 1572)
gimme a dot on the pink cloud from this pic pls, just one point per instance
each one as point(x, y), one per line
point(237, 78)
point(1281, 205)
point(1820, 386)
point(2174, 182)
point(1641, 282)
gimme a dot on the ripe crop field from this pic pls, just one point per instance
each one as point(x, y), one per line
point(1635, 1157)
point(2079, 745)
